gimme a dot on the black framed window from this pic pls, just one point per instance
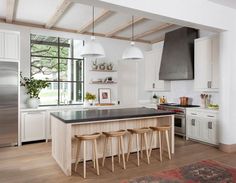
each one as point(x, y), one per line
point(57, 60)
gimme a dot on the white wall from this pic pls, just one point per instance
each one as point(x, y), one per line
point(113, 49)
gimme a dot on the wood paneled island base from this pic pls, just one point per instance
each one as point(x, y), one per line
point(64, 145)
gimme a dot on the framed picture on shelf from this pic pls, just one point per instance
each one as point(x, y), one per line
point(104, 95)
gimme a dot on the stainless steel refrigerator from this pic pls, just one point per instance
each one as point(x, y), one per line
point(9, 85)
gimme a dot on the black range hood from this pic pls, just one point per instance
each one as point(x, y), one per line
point(177, 61)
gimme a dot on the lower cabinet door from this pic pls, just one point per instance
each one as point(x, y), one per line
point(33, 126)
point(193, 128)
point(208, 131)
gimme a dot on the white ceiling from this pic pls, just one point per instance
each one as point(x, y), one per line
point(229, 3)
point(78, 15)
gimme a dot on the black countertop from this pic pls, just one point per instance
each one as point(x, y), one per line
point(107, 114)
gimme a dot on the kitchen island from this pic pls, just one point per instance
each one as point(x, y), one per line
point(65, 125)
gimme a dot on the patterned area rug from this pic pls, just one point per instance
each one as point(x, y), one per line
point(201, 172)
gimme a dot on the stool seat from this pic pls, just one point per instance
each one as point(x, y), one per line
point(139, 130)
point(88, 137)
point(161, 128)
point(115, 133)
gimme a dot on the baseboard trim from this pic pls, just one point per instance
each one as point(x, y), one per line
point(228, 148)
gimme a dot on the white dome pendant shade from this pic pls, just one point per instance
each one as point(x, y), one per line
point(92, 48)
point(132, 52)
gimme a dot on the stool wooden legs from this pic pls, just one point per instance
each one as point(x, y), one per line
point(161, 134)
point(84, 159)
point(160, 144)
point(120, 149)
point(139, 147)
point(77, 154)
point(168, 144)
point(95, 156)
point(146, 147)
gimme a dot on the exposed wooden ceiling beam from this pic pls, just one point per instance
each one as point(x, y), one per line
point(118, 37)
point(11, 4)
point(152, 31)
point(159, 39)
point(125, 26)
point(60, 11)
point(26, 24)
point(103, 16)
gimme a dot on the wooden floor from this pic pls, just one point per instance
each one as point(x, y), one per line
point(34, 163)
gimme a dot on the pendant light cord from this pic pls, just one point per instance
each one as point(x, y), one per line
point(132, 28)
point(93, 20)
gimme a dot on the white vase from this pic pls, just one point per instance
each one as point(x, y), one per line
point(33, 102)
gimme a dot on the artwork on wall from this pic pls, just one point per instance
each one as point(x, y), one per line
point(104, 95)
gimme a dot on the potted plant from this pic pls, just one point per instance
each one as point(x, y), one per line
point(102, 66)
point(89, 97)
point(110, 66)
point(33, 88)
point(95, 65)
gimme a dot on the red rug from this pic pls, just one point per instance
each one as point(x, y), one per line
point(201, 172)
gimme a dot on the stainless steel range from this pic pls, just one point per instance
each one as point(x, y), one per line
point(180, 116)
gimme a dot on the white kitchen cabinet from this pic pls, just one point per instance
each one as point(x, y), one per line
point(33, 126)
point(9, 45)
point(152, 68)
point(202, 125)
point(206, 64)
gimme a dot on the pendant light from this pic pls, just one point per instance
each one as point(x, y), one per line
point(132, 52)
point(92, 48)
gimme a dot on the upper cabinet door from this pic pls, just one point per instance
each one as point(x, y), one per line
point(215, 62)
point(202, 63)
point(1, 45)
point(11, 46)
point(150, 70)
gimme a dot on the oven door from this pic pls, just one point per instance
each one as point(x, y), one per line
point(180, 125)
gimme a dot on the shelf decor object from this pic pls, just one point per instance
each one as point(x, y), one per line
point(104, 95)
point(93, 49)
point(132, 52)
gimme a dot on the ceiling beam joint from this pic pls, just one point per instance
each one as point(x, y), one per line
point(60, 11)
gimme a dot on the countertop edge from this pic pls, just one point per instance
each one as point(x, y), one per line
point(111, 118)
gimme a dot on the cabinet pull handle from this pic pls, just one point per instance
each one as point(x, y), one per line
point(209, 125)
point(193, 122)
point(194, 114)
point(153, 85)
point(210, 116)
point(209, 84)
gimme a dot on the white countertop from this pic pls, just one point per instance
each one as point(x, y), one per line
point(78, 107)
point(203, 109)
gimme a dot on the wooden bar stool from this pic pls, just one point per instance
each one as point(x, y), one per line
point(143, 134)
point(110, 135)
point(84, 138)
point(162, 130)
